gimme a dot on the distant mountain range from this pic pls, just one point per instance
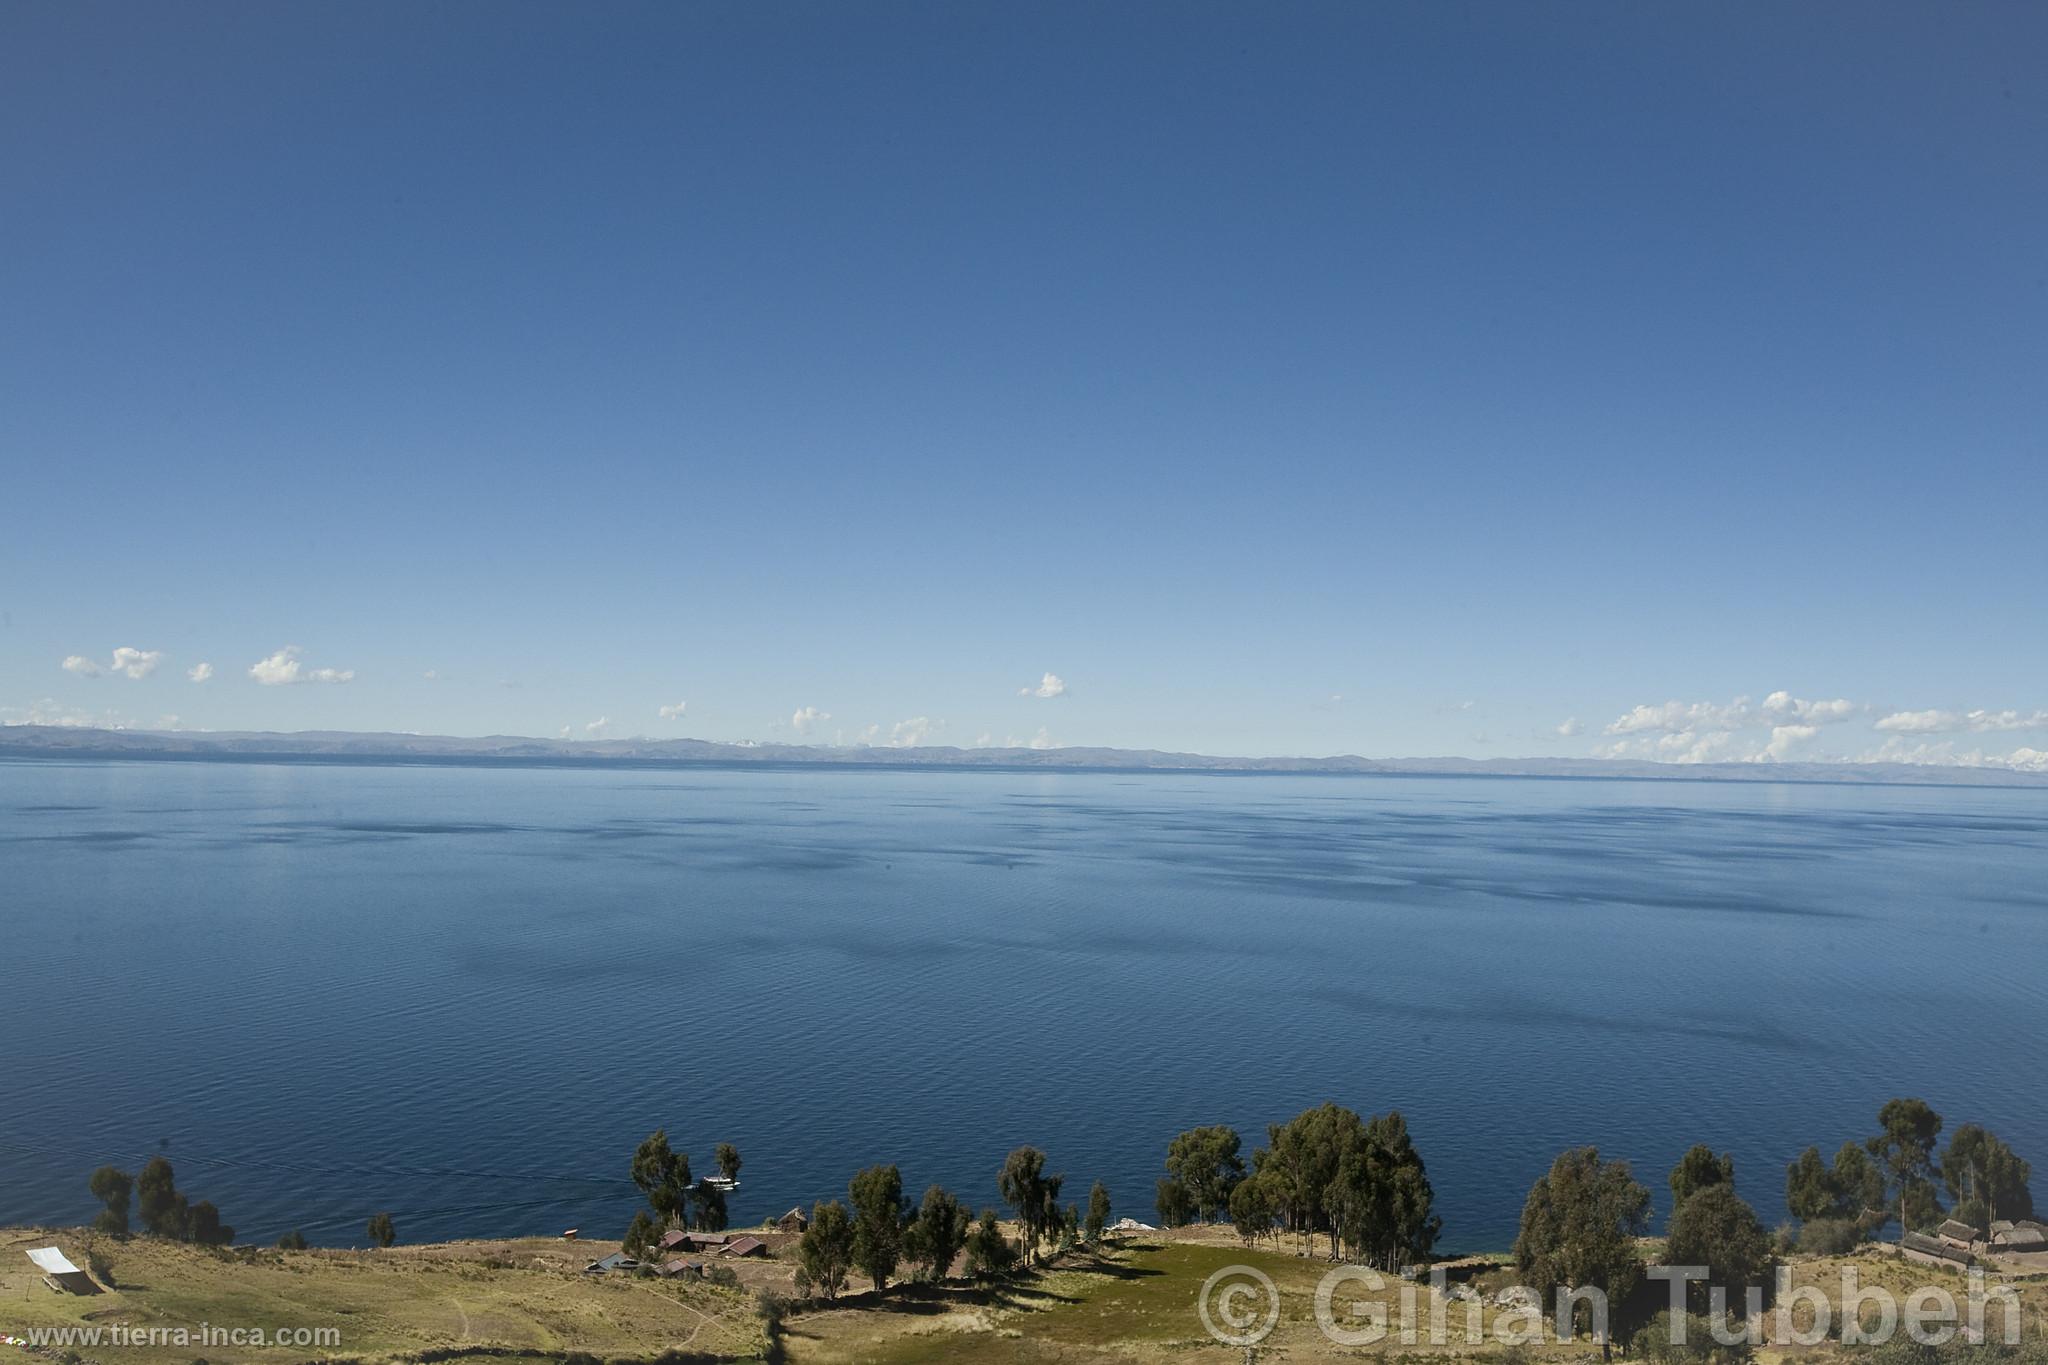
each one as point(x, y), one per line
point(338, 746)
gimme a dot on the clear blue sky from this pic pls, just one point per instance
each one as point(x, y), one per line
point(1488, 367)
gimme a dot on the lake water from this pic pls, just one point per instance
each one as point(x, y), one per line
point(463, 994)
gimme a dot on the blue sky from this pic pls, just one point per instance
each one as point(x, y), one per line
point(1389, 379)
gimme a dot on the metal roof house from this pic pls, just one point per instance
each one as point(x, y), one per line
point(1918, 1246)
point(1958, 1234)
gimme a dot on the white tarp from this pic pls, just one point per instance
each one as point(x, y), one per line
point(51, 1261)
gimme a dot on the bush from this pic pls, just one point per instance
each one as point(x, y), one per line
point(1654, 1343)
point(101, 1267)
point(1830, 1237)
point(722, 1275)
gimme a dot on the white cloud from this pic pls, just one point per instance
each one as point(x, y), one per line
point(1960, 722)
point(598, 726)
point(49, 711)
point(1713, 732)
point(283, 669)
point(1943, 753)
point(1783, 737)
point(984, 740)
point(79, 664)
point(1044, 740)
point(137, 663)
point(908, 734)
point(1571, 729)
point(806, 717)
point(1783, 706)
point(565, 731)
point(200, 671)
point(1699, 732)
point(1678, 717)
point(432, 675)
point(674, 712)
point(1051, 685)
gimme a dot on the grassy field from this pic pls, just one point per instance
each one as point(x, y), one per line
point(1136, 1303)
point(527, 1294)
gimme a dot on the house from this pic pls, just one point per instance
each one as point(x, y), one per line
point(60, 1274)
point(796, 1220)
point(618, 1260)
point(746, 1246)
point(1918, 1246)
point(673, 1238)
point(1957, 1234)
point(2025, 1235)
point(569, 1234)
point(696, 1241)
point(680, 1267)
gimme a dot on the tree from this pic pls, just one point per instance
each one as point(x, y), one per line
point(1410, 1200)
point(1811, 1192)
point(643, 1234)
point(292, 1241)
point(936, 1236)
point(825, 1251)
point(1579, 1227)
point(1904, 1151)
point(1176, 1207)
point(662, 1174)
point(1205, 1162)
point(1696, 1170)
point(1861, 1185)
point(1715, 1229)
point(1981, 1170)
point(1098, 1211)
point(157, 1199)
point(112, 1187)
point(707, 1205)
point(1252, 1209)
point(876, 1195)
point(1035, 1196)
point(727, 1158)
point(989, 1255)
point(203, 1225)
point(380, 1231)
point(1329, 1172)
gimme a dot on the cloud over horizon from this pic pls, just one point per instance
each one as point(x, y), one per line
point(283, 669)
point(1051, 685)
point(1779, 727)
point(128, 661)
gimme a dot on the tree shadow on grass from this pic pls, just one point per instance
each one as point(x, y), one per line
point(1109, 1270)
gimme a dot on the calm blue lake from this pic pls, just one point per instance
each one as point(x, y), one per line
point(463, 994)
